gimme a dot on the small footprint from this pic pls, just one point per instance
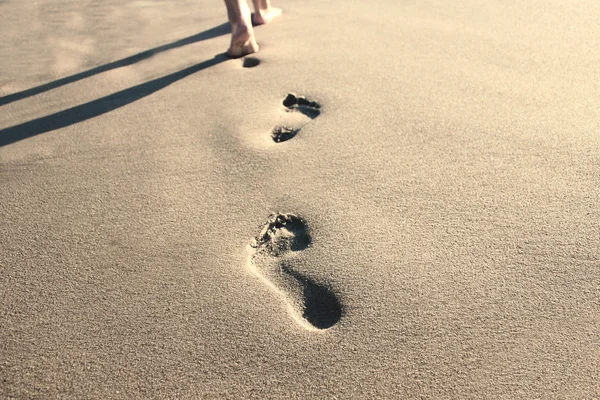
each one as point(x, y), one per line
point(314, 305)
point(299, 112)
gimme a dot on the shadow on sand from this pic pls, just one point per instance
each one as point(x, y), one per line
point(100, 106)
point(208, 34)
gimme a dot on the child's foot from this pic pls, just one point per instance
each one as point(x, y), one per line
point(242, 41)
point(264, 13)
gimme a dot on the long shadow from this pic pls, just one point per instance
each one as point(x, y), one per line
point(208, 34)
point(100, 106)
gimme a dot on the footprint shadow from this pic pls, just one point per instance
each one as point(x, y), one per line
point(282, 237)
point(322, 309)
point(291, 124)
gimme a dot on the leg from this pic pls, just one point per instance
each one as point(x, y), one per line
point(263, 12)
point(242, 34)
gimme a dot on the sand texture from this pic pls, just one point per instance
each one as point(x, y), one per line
point(392, 199)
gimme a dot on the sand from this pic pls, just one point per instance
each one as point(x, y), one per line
point(445, 195)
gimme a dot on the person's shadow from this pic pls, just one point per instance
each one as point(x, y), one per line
point(199, 37)
point(108, 103)
point(100, 106)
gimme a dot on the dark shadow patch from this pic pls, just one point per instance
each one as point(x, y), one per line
point(311, 113)
point(322, 308)
point(250, 62)
point(290, 100)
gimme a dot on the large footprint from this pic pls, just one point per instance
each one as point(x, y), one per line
point(299, 112)
point(312, 304)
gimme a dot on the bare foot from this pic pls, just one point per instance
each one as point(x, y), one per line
point(263, 12)
point(242, 41)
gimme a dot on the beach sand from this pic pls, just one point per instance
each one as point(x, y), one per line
point(430, 231)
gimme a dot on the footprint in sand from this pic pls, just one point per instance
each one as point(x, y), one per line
point(313, 304)
point(299, 112)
